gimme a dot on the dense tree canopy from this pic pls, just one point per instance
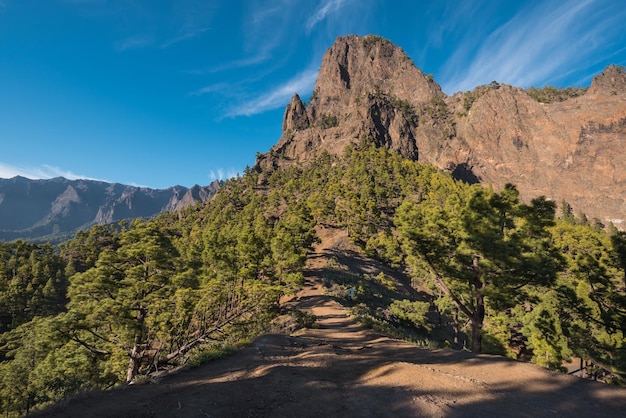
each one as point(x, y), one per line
point(481, 249)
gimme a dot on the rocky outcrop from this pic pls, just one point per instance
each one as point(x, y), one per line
point(610, 82)
point(355, 67)
point(54, 209)
point(368, 88)
point(572, 150)
point(296, 118)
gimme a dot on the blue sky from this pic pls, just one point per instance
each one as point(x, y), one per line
point(163, 92)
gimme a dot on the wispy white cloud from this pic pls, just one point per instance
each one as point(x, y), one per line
point(277, 97)
point(265, 28)
point(134, 42)
point(8, 171)
point(266, 12)
point(222, 174)
point(274, 34)
point(326, 8)
point(144, 41)
point(43, 172)
point(259, 57)
point(185, 35)
point(213, 88)
point(531, 48)
point(148, 25)
point(188, 20)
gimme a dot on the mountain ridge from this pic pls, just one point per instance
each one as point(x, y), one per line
point(54, 209)
point(368, 88)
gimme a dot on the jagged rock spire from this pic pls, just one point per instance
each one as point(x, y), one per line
point(295, 118)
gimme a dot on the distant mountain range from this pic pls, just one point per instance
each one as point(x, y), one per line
point(55, 209)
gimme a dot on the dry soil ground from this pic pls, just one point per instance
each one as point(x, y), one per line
point(343, 370)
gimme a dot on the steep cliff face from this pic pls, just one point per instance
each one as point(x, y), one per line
point(497, 134)
point(572, 150)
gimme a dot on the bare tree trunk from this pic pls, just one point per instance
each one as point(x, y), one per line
point(477, 321)
point(477, 328)
point(136, 353)
point(478, 315)
point(582, 368)
point(133, 363)
point(455, 328)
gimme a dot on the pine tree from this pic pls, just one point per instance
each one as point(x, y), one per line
point(481, 253)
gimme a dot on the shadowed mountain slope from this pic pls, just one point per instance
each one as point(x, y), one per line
point(40, 210)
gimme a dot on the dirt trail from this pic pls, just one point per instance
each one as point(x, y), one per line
point(343, 370)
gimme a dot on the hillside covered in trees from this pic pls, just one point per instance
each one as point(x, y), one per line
point(488, 272)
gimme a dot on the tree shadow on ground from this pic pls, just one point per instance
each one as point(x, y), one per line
point(287, 376)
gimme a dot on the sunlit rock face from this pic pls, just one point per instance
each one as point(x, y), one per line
point(369, 89)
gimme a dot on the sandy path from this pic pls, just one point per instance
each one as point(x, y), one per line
point(343, 370)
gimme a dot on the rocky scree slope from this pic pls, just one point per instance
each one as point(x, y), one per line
point(368, 88)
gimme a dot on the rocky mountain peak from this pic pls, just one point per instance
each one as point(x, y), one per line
point(366, 88)
point(354, 66)
point(611, 81)
point(571, 148)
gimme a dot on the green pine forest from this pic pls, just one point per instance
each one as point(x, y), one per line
point(486, 272)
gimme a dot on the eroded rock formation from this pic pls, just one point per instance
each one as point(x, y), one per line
point(368, 88)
